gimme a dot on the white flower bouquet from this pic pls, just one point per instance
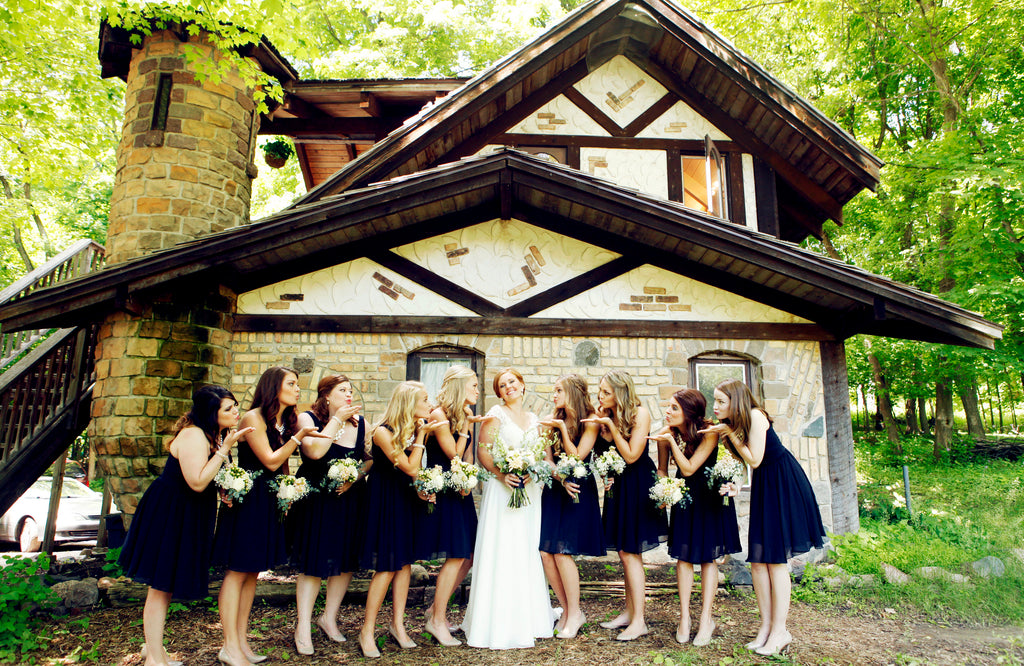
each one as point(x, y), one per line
point(726, 470)
point(463, 476)
point(571, 468)
point(234, 481)
point(340, 472)
point(608, 465)
point(667, 492)
point(429, 481)
point(289, 489)
point(528, 459)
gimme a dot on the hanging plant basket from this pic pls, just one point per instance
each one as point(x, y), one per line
point(277, 151)
point(274, 161)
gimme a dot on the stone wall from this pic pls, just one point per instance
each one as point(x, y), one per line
point(790, 374)
point(148, 364)
point(192, 177)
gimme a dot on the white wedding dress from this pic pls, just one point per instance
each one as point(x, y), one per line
point(509, 605)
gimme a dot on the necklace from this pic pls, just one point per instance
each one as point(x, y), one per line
point(279, 427)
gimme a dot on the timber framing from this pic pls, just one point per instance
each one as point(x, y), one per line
point(840, 300)
point(818, 167)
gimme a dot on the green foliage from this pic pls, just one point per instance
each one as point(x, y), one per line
point(111, 566)
point(278, 147)
point(22, 591)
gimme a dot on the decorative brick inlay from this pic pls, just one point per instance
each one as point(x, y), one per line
point(192, 177)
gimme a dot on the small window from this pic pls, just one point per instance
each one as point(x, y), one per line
point(558, 154)
point(429, 364)
point(708, 371)
point(704, 186)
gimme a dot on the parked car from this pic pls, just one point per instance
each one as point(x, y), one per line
point(78, 515)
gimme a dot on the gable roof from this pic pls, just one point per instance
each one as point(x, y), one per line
point(818, 165)
point(842, 300)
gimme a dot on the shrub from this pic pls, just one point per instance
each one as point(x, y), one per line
point(22, 592)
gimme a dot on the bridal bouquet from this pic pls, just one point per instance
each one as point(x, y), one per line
point(571, 468)
point(527, 459)
point(726, 470)
point(290, 489)
point(429, 481)
point(234, 481)
point(667, 492)
point(340, 472)
point(463, 476)
point(607, 465)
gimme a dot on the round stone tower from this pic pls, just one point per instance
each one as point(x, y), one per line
point(184, 170)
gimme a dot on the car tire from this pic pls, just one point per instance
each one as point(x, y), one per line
point(28, 536)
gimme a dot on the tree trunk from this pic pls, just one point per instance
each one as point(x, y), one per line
point(922, 415)
point(885, 403)
point(910, 408)
point(16, 230)
point(967, 388)
point(943, 419)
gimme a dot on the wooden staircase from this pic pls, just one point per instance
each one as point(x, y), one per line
point(46, 379)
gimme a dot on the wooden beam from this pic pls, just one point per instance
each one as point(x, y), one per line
point(594, 112)
point(693, 146)
point(654, 112)
point(377, 127)
point(300, 108)
point(842, 473)
point(435, 283)
point(573, 287)
point(303, 157)
point(369, 103)
point(530, 326)
point(766, 198)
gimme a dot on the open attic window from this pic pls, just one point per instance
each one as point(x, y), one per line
point(704, 181)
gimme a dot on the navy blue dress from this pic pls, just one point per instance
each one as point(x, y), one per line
point(168, 543)
point(326, 529)
point(572, 528)
point(705, 529)
point(251, 534)
point(389, 544)
point(633, 523)
point(449, 531)
point(784, 516)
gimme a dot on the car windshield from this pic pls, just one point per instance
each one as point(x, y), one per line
point(71, 488)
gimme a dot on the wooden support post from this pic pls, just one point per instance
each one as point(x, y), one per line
point(839, 435)
point(56, 488)
point(101, 532)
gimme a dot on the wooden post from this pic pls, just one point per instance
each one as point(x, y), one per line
point(56, 487)
point(101, 531)
point(839, 436)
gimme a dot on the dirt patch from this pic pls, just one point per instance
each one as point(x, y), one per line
point(821, 635)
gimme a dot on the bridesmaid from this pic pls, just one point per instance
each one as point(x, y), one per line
point(570, 527)
point(705, 529)
point(632, 522)
point(168, 543)
point(328, 527)
point(784, 516)
point(388, 548)
point(449, 531)
point(250, 535)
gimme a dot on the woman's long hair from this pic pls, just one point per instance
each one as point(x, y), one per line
point(203, 413)
point(577, 406)
point(741, 404)
point(265, 399)
point(323, 390)
point(400, 415)
point(452, 396)
point(626, 401)
point(694, 407)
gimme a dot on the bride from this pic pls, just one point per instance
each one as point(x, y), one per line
point(509, 606)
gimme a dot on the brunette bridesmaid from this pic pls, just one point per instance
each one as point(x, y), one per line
point(633, 524)
point(571, 514)
point(327, 528)
point(784, 516)
point(168, 543)
point(250, 534)
point(705, 529)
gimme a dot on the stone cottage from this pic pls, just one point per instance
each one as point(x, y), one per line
point(626, 191)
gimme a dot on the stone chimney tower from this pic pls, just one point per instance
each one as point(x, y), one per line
point(184, 170)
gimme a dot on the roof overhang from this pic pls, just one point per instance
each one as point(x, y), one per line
point(841, 299)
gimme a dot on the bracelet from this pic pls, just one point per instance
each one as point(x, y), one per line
point(334, 417)
point(338, 434)
point(293, 438)
point(464, 434)
point(222, 455)
point(418, 446)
